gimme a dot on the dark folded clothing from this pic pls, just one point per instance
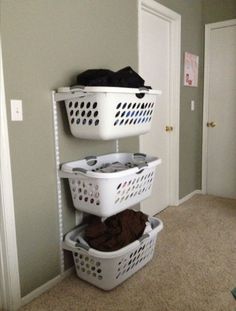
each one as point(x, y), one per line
point(116, 231)
point(125, 77)
point(95, 77)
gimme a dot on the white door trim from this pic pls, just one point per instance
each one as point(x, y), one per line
point(174, 19)
point(9, 281)
point(208, 29)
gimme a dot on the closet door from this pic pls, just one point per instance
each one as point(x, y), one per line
point(220, 98)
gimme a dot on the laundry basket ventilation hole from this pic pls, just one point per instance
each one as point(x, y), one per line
point(133, 113)
point(85, 113)
point(85, 191)
point(134, 187)
point(135, 258)
point(88, 266)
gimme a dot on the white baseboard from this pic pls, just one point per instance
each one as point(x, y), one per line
point(45, 287)
point(189, 196)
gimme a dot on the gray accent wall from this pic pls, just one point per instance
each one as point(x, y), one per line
point(218, 10)
point(45, 45)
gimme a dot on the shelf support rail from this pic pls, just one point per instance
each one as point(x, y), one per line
point(59, 195)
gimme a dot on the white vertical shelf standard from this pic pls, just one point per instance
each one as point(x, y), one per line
point(59, 199)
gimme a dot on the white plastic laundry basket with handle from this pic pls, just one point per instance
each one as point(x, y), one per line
point(106, 270)
point(109, 112)
point(106, 194)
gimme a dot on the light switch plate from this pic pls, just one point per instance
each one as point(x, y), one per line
point(192, 105)
point(16, 110)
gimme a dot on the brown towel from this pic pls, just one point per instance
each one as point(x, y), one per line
point(116, 231)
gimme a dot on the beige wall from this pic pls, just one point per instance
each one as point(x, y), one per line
point(45, 44)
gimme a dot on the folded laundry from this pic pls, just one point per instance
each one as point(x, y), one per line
point(118, 166)
point(116, 231)
point(112, 167)
point(126, 77)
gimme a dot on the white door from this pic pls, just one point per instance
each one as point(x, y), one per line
point(9, 274)
point(220, 121)
point(159, 65)
point(1, 282)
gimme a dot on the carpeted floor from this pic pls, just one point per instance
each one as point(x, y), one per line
point(193, 269)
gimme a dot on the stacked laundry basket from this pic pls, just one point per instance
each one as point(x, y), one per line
point(108, 184)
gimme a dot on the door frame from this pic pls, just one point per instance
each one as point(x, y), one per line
point(208, 29)
point(174, 20)
point(9, 273)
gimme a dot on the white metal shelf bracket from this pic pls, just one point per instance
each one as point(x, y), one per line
point(59, 198)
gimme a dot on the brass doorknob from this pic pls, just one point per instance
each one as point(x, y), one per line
point(169, 128)
point(211, 124)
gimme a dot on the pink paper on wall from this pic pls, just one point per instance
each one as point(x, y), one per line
point(190, 69)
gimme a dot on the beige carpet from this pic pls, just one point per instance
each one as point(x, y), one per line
point(193, 269)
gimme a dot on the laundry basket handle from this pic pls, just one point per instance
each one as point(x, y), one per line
point(80, 89)
point(143, 237)
point(91, 160)
point(80, 245)
point(73, 248)
point(88, 158)
point(80, 170)
point(139, 154)
point(144, 89)
point(140, 166)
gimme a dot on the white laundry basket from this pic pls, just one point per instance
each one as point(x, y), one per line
point(106, 270)
point(106, 194)
point(110, 112)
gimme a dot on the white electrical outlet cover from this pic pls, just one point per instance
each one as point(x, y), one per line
point(16, 110)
